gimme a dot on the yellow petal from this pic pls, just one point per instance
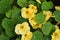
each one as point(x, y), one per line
point(56, 35)
point(38, 1)
point(57, 7)
point(47, 14)
point(33, 8)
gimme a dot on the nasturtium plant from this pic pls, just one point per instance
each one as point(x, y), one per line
point(37, 35)
point(57, 15)
point(26, 20)
point(39, 18)
point(47, 27)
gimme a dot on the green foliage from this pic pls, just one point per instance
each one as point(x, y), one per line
point(42, 1)
point(18, 38)
point(10, 16)
point(32, 2)
point(22, 3)
point(13, 13)
point(37, 35)
point(2, 37)
point(39, 18)
point(57, 15)
point(47, 5)
point(47, 27)
point(5, 5)
point(8, 26)
point(1, 29)
point(47, 38)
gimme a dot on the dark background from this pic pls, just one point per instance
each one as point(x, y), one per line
point(56, 2)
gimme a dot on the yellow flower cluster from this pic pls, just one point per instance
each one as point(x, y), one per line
point(28, 12)
point(47, 14)
point(57, 7)
point(56, 35)
point(24, 30)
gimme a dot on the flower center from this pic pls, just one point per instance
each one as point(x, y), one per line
point(22, 27)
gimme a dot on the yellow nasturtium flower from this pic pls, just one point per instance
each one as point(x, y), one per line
point(57, 7)
point(22, 28)
point(56, 35)
point(47, 14)
point(34, 24)
point(26, 13)
point(32, 8)
point(38, 1)
point(27, 36)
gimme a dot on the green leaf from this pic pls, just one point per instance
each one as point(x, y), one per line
point(5, 5)
point(47, 27)
point(47, 5)
point(22, 3)
point(2, 37)
point(47, 38)
point(10, 33)
point(57, 15)
point(13, 13)
point(37, 35)
point(39, 18)
point(9, 14)
point(17, 20)
point(32, 2)
point(8, 25)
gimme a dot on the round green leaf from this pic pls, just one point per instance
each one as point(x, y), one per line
point(22, 3)
point(47, 27)
point(39, 18)
point(57, 15)
point(46, 5)
point(37, 35)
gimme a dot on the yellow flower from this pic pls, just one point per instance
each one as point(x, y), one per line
point(26, 13)
point(22, 28)
point(48, 14)
point(27, 36)
point(32, 8)
point(57, 7)
point(38, 1)
point(34, 24)
point(56, 35)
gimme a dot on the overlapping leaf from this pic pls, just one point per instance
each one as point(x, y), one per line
point(47, 27)
point(37, 35)
point(39, 18)
point(57, 15)
point(5, 5)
